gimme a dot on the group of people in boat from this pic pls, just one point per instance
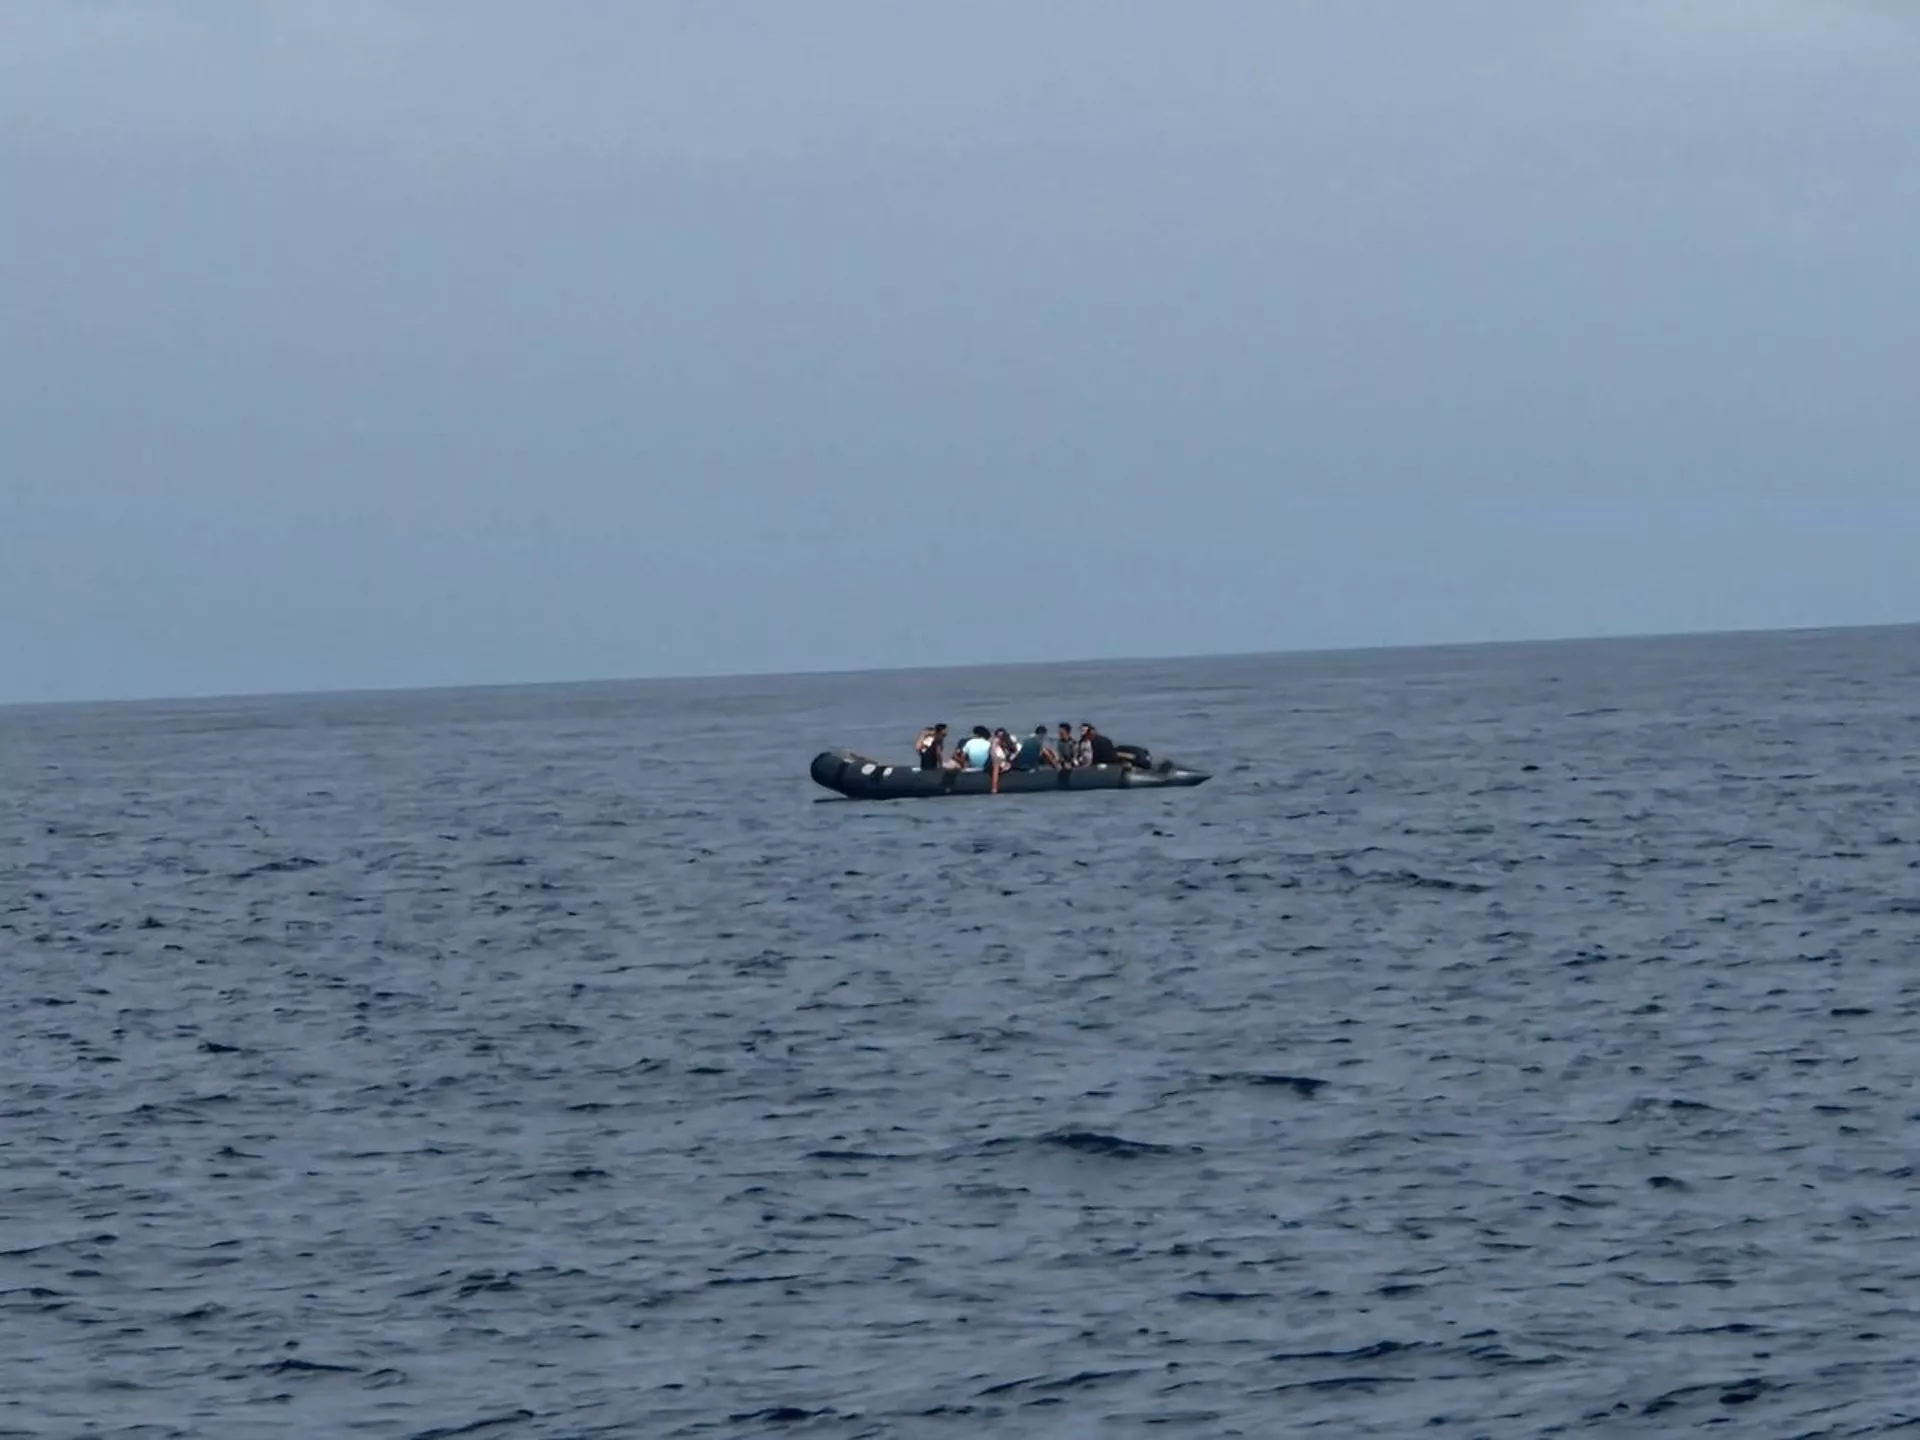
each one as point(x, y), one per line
point(997, 750)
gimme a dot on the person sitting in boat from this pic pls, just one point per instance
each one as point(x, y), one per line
point(931, 742)
point(976, 751)
point(1035, 751)
point(1067, 749)
point(1098, 748)
point(1005, 748)
point(1105, 752)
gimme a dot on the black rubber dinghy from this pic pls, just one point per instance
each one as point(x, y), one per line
point(859, 778)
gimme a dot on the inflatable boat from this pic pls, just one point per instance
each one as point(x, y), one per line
point(858, 778)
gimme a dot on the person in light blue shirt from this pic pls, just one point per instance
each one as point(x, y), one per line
point(977, 749)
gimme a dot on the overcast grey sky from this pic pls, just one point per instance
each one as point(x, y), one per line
point(377, 344)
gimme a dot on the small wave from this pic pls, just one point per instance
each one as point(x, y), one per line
point(1095, 1142)
point(1737, 1392)
point(783, 1415)
point(1080, 1380)
point(1307, 1085)
point(1380, 1349)
point(1338, 1382)
point(158, 1111)
point(1413, 880)
point(472, 1427)
point(1494, 1353)
point(25, 1250)
point(482, 1281)
point(1732, 1327)
point(1578, 1202)
point(293, 1365)
point(278, 867)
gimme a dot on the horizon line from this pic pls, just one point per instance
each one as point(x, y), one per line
point(710, 677)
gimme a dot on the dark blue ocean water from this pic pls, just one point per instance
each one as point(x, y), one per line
point(1514, 1041)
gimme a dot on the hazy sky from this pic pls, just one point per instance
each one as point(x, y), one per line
point(375, 344)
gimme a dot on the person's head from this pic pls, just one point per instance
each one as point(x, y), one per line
point(1066, 730)
point(980, 732)
point(1041, 731)
point(1086, 728)
point(941, 728)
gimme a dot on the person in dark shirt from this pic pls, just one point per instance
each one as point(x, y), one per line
point(1064, 747)
point(930, 743)
point(1098, 746)
point(1035, 752)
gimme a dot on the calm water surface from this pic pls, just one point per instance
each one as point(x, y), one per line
point(1509, 1042)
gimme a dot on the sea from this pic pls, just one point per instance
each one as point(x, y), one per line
point(1512, 1040)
